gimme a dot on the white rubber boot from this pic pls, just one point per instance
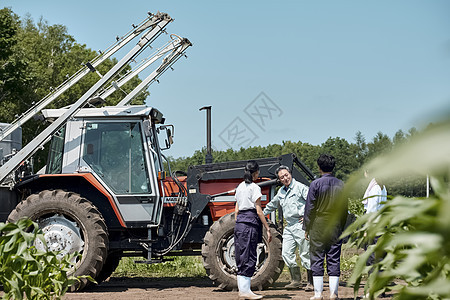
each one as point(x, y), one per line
point(334, 286)
point(318, 288)
point(240, 283)
point(244, 284)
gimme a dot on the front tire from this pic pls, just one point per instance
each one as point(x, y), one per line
point(70, 223)
point(219, 260)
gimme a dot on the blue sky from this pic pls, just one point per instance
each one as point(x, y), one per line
point(275, 71)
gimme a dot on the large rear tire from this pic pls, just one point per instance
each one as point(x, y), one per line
point(110, 265)
point(219, 258)
point(70, 223)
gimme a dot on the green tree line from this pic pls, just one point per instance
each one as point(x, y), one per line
point(350, 157)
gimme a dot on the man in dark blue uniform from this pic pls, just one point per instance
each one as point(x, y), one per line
point(324, 220)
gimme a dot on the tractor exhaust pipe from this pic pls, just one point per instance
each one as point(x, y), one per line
point(208, 156)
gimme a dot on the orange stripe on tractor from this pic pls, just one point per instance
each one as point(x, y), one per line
point(92, 180)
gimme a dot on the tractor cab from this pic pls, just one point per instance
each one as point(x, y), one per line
point(119, 146)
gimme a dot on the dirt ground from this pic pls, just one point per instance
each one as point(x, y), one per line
point(190, 288)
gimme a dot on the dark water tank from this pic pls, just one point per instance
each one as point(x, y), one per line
point(12, 142)
point(8, 197)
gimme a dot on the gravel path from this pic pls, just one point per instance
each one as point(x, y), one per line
point(189, 288)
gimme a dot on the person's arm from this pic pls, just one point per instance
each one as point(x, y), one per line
point(304, 191)
point(263, 218)
point(272, 205)
point(309, 207)
point(303, 194)
point(236, 211)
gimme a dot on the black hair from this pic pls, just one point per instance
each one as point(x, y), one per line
point(326, 162)
point(250, 168)
point(282, 167)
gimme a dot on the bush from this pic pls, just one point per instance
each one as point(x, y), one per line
point(27, 272)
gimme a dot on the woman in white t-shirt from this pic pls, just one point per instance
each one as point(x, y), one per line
point(248, 230)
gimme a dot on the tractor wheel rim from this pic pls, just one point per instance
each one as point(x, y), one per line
point(61, 235)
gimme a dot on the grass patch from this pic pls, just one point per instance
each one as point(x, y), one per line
point(181, 266)
point(191, 266)
point(349, 256)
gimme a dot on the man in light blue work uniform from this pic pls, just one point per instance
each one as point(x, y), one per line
point(292, 198)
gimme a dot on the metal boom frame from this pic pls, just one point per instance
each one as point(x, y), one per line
point(31, 148)
point(158, 22)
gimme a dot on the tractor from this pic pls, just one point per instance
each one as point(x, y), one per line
point(107, 190)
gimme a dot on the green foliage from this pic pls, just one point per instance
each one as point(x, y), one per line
point(355, 206)
point(361, 148)
point(8, 29)
point(14, 78)
point(26, 272)
point(413, 244)
point(381, 144)
point(344, 152)
point(349, 257)
point(408, 185)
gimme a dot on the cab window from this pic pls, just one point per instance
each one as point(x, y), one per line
point(115, 152)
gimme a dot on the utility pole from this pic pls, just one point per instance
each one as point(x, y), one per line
point(208, 156)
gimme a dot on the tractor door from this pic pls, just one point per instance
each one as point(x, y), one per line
point(117, 154)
